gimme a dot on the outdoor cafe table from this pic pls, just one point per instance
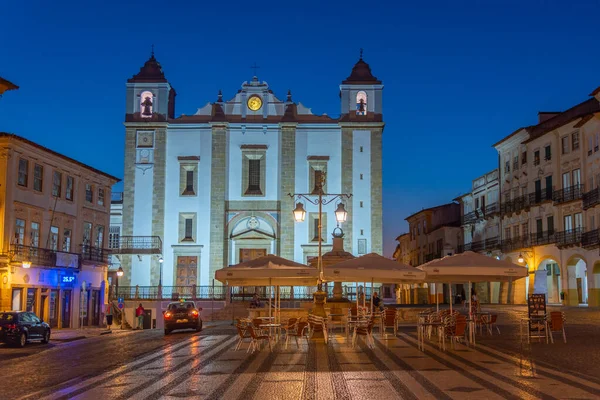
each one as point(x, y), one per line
point(272, 327)
point(421, 327)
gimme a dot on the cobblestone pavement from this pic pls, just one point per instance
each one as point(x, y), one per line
point(206, 366)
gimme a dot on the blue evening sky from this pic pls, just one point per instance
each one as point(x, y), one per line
point(458, 75)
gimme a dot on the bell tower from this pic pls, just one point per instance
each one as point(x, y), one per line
point(150, 103)
point(361, 123)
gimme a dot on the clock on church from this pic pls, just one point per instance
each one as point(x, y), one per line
point(254, 103)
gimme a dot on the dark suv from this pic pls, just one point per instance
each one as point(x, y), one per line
point(17, 327)
point(182, 315)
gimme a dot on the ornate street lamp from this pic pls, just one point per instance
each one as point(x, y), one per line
point(340, 216)
point(26, 264)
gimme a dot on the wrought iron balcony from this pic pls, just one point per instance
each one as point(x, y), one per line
point(137, 245)
point(540, 196)
point(491, 210)
point(570, 193)
point(480, 245)
point(591, 199)
point(516, 243)
point(469, 218)
point(45, 258)
point(569, 238)
point(95, 254)
point(590, 239)
point(542, 238)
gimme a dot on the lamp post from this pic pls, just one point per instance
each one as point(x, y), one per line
point(120, 274)
point(341, 214)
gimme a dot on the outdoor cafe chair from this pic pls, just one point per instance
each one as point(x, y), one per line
point(489, 321)
point(299, 331)
point(258, 338)
point(457, 331)
point(364, 328)
point(557, 324)
point(335, 318)
point(317, 324)
point(243, 333)
point(389, 320)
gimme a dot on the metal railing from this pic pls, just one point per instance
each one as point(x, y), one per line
point(542, 238)
point(44, 257)
point(516, 243)
point(480, 245)
point(590, 238)
point(470, 217)
point(570, 193)
point(569, 238)
point(491, 209)
point(133, 244)
point(170, 292)
point(590, 199)
point(540, 196)
point(96, 254)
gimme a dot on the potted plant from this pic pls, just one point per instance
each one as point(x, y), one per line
point(562, 295)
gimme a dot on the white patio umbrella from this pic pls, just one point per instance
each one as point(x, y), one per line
point(471, 267)
point(374, 268)
point(268, 270)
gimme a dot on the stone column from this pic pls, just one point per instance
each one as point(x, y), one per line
point(288, 185)
point(376, 192)
point(158, 197)
point(347, 162)
point(128, 200)
point(217, 199)
point(571, 299)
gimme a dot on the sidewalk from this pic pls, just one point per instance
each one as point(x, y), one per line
point(69, 335)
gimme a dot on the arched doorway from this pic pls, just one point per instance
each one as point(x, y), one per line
point(552, 284)
point(577, 292)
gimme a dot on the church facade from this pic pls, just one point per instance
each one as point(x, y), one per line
point(212, 188)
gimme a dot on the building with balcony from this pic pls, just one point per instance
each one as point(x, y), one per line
point(548, 182)
point(210, 189)
point(55, 212)
point(433, 233)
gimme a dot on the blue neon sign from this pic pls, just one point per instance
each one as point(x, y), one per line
point(68, 279)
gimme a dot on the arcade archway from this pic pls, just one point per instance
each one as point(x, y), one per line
point(577, 292)
point(552, 284)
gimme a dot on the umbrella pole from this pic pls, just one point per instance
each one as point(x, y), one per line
point(365, 296)
point(450, 290)
point(437, 301)
point(357, 303)
point(270, 293)
point(372, 295)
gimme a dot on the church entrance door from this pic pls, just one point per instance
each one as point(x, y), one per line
point(187, 270)
point(251, 254)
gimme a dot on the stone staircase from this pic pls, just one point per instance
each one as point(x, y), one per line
point(237, 309)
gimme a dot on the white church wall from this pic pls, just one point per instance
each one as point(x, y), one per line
point(361, 188)
point(252, 136)
point(188, 142)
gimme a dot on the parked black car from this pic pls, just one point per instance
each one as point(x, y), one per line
point(17, 327)
point(182, 315)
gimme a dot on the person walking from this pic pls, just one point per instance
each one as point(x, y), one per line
point(139, 313)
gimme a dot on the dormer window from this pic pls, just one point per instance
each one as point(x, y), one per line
point(361, 103)
point(146, 102)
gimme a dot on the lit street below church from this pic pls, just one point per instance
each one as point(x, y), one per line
point(149, 365)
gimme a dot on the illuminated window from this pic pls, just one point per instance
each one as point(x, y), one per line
point(361, 103)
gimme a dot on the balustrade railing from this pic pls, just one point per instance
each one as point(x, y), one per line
point(590, 238)
point(591, 198)
point(542, 238)
point(137, 245)
point(540, 196)
point(570, 193)
point(97, 254)
point(569, 237)
point(44, 257)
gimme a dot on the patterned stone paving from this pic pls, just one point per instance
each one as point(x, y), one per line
point(207, 367)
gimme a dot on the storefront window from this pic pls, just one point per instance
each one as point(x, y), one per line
point(16, 299)
point(31, 292)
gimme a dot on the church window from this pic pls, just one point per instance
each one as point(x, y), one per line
point(361, 177)
point(56, 184)
point(70, 188)
point(253, 177)
point(361, 149)
point(23, 172)
point(317, 174)
point(187, 227)
point(319, 180)
point(361, 204)
point(188, 175)
point(38, 177)
point(146, 103)
point(314, 227)
point(253, 169)
point(361, 103)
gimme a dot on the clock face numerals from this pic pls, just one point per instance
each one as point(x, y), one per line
point(254, 103)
